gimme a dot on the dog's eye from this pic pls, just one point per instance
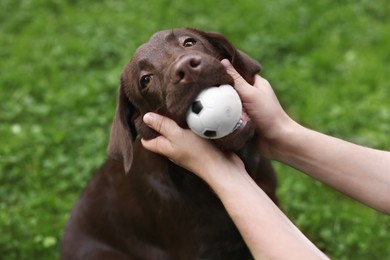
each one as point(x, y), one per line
point(145, 80)
point(189, 42)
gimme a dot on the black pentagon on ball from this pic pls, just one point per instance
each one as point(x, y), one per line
point(210, 133)
point(196, 107)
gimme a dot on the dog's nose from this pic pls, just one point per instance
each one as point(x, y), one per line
point(187, 69)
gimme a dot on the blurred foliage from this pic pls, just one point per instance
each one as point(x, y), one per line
point(60, 62)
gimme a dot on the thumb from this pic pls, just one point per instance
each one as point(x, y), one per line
point(162, 125)
point(238, 79)
point(240, 84)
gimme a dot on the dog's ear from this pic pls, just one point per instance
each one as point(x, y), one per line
point(123, 131)
point(245, 65)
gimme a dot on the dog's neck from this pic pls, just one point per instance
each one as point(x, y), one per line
point(190, 186)
point(193, 187)
point(175, 182)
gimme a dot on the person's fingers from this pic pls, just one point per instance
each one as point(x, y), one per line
point(166, 127)
point(159, 145)
point(163, 125)
point(239, 81)
point(243, 88)
point(261, 83)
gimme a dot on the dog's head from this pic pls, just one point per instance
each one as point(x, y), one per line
point(165, 75)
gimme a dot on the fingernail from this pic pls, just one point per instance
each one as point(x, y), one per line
point(148, 118)
point(226, 63)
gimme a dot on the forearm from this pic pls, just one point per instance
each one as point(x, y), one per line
point(265, 229)
point(359, 172)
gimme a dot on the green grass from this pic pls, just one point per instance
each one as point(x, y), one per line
point(60, 62)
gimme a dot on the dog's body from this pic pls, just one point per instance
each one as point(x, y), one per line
point(139, 205)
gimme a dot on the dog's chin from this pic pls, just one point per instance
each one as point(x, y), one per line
point(239, 137)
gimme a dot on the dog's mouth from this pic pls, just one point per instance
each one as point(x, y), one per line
point(241, 134)
point(243, 119)
point(185, 89)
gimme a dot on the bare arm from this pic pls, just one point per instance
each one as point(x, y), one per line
point(359, 172)
point(265, 229)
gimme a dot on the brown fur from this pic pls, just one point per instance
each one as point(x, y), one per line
point(139, 205)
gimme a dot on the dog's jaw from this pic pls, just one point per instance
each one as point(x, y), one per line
point(239, 137)
point(175, 108)
point(183, 75)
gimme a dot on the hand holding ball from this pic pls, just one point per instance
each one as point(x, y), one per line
point(215, 112)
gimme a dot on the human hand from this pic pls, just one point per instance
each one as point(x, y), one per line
point(186, 149)
point(262, 106)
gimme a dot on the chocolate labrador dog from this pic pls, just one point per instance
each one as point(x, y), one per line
point(140, 205)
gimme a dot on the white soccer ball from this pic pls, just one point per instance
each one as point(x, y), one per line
point(215, 112)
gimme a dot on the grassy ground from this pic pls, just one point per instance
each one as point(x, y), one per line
point(60, 62)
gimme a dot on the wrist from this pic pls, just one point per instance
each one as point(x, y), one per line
point(277, 140)
point(223, 170)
